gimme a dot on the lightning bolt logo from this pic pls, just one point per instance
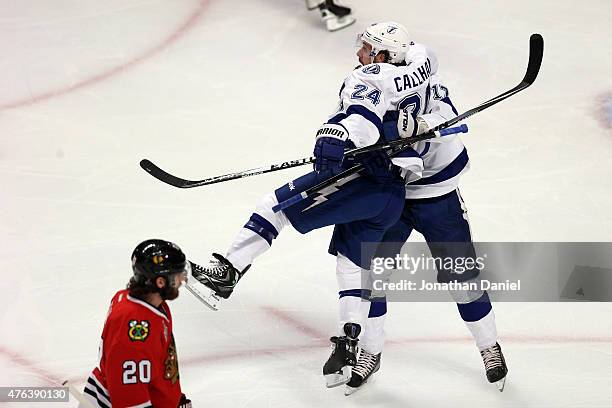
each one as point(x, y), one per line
point(324, 193)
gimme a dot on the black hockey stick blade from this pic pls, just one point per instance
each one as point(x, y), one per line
point(536, 53)
point(161, 175)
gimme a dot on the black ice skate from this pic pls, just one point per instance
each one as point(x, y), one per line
point(367, 364)
point(217, 279)
point(337, 369)
point(335, 16)
point(495, 365)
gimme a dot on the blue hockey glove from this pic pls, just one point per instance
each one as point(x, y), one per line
point(377, 166)
point(329, 147)
point(390, 131)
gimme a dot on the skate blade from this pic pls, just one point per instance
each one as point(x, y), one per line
point(206, 296)
point(351, 390)
point(501, 384)
point(335, 24)
point(338, 379)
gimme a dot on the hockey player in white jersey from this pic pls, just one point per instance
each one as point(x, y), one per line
point(362, 207)
point(434, 208)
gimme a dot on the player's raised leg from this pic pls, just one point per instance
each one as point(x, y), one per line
point(354, 198)
point(222, 273)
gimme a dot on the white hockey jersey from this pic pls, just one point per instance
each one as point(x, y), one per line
point(444, 160)
point(433, 168)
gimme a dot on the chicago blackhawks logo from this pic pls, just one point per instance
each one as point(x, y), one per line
point(171, 371)
point(138, 331)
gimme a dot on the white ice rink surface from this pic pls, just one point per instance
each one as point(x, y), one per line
point(205, 87)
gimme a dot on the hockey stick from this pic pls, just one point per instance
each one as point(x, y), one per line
point(168, 178)
point(535, 59)
point(536, 52)
point(175, 181)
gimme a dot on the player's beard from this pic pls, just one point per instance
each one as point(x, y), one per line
point(171, 293)
point(171, 290)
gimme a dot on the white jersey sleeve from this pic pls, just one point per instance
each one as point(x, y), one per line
point(441, 106)
point(365, 97)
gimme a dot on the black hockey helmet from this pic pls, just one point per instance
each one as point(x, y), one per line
point(156, 257)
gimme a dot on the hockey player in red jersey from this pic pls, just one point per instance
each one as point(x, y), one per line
point(137, 359)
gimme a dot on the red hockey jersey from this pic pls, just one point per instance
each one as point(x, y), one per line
point(137, 361)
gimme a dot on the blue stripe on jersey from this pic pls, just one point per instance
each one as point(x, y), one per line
point(449, 103)
point(361, 111)
point(360, 293)
point(454, 168)
point(378, 307)
point(476, 310)
point(262, 227)
point(425, 149)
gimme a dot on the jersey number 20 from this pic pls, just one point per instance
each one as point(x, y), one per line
point(134, 372)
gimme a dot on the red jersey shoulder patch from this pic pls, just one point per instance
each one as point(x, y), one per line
point(138, 330)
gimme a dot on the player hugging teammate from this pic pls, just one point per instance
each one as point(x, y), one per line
point(395, 93)
point(408, 181)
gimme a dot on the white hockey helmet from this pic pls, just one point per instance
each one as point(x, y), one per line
point(389, 36)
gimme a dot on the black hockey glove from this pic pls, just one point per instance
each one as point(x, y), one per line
point(184, 402)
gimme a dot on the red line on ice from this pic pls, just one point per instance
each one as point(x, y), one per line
point(292, 321)
point(52, 379)
point(31, 366)
point(603, 110)
point(512, 339)
point(177, 33)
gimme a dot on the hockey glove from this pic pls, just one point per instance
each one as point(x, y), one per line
point(184, 402)
point(401, 124)
point(329, 147)
point(377, 166)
